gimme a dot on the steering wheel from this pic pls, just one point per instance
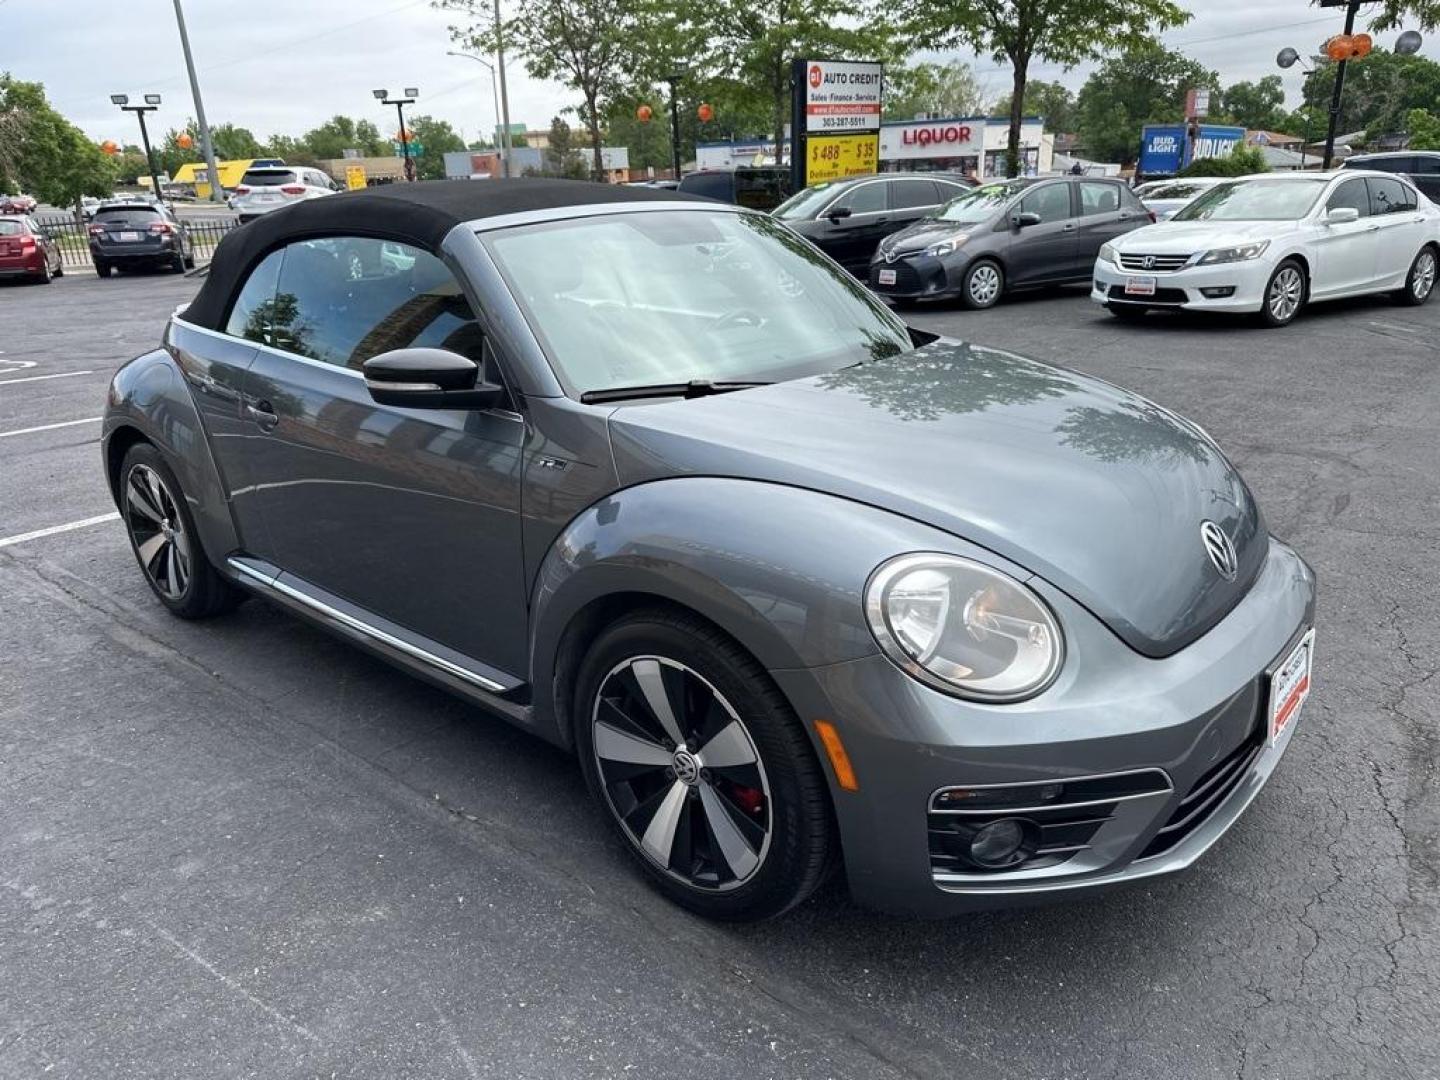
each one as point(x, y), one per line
point(736, 317)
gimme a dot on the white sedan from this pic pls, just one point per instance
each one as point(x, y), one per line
point(1271, 244)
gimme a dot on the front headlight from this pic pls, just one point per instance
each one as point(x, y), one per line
point(944, 247)
point(1243, 253)
point(1109, 254)
point(963, 628)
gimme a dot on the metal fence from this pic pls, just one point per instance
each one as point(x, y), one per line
point(74, 239)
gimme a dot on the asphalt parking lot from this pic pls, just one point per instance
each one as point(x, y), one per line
point(240, 848)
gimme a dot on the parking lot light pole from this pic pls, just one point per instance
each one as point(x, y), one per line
point(152, 102)
point(495, 96)
point(383, 96)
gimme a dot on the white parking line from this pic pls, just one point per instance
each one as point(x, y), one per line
point(37, 378)
point(6, 541)
point(50, 427)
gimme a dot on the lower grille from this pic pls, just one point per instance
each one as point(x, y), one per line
point(907, 279)
point(1159, 264)
point(1160, 296)
point(1206, 796)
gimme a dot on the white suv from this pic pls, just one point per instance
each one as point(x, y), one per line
point(270, 187)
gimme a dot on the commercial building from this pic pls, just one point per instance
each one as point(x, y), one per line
point(483, 164)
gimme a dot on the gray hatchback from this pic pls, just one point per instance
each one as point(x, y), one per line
point(801, 588)
point(1014, 234)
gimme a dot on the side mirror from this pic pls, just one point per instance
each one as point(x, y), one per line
point(1024, 219)
point(421, 378)
point(1339, 215)
point(839, 213)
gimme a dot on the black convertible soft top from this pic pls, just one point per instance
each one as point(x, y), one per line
point(419, 214)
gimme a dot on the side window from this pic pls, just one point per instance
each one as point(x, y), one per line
point(1098, 198)
point(342, 300)
point(1427, 165)
point(908, 193)
point(1350, 193)
point(864, 198)
point(1051, 202)
point(1129, 200)
point(254, 307)
point(1389, 197)
point(951, 191)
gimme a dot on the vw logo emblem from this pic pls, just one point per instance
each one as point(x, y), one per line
point(1220, 549)
point(1148, 262)
point(687, 769)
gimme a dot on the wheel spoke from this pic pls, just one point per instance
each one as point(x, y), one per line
point(612, 744)
point(652, 685)
point(140, 499)
point(172, 574)
point(157, 493)
point(150, 549)
point(659, 836)
point(736, 850)
point(730, 747)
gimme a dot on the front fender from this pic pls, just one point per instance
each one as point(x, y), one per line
point(780, 569)
point(148, 397)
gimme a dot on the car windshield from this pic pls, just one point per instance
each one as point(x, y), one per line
point(654, 297)
point(803, 204)
point(979, 203)
point(1176, 191)
point(1256, 200)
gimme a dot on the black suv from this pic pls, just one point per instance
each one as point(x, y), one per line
point(1420, 167)
point(129, 235)
point(759, 187)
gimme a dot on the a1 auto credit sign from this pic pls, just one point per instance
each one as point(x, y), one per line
point(836, 121)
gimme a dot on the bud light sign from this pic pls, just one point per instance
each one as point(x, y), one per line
point(1165, 149)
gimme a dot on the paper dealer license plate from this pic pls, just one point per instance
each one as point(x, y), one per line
point(1140, 286)
point(1290, 686)
point(887, 277)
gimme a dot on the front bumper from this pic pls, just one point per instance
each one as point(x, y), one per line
point(1184, 288)
point(1111, 711)
point(917, 277)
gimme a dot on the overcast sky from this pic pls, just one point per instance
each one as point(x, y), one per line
point(283, 66)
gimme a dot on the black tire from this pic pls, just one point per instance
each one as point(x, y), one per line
point(789, 790)
point(1128, 312)
point(204, 592)
point(177, 263)
point(983, 285)
point(60, 267)
point(190, 260)
point(1274, 313)
point(1420, 281)
point(102, 269)
point(43, 278)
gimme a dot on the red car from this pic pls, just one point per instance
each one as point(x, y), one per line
point(17, 204)
point(26, 250)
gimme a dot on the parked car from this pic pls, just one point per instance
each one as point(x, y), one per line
point(1166, 199)
point(134, 234)
point(660, 484)
point(758, 187)
point(1272, 244)
point(1420, 167)
point(847, 219)
point(270, 187)
point(1013, 234)
point(88, 205)
point(17, 204)
point(27, 250)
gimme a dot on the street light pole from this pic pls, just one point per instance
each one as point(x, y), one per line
point(206, 146)
point(383, 96)
point(674, 79)
point(1350, 10)
point(495, 98)
point(152, 102)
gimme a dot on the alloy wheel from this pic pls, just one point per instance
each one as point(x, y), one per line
point(1286, 289)
point(1422, 279)
point(681, 773)
point(157, 531)
point(984, 285)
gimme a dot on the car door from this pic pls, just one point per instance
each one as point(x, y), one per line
point(1402, 229)
point(851, 240)
point(1345, 251)
point(1045, 251)
point(1104, 215)
point(411, 515)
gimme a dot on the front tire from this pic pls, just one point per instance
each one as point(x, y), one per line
point(983, 285)
point(1420, 282)
point(1285, 294)
point(165, 541)
point(702, 767)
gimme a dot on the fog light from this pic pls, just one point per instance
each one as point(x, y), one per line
point(1218, 292)
point(1002, 843)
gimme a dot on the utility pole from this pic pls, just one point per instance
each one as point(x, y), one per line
point(1350, 9)
point(504, 92)
point(206, 146)
point(674, 79)
point(152, 102)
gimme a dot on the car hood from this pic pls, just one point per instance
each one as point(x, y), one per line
point(921, 235)
point(1174, 237)
point(1094, 489)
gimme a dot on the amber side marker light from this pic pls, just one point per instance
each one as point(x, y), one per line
point(839, 759)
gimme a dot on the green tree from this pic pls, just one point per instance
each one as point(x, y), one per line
point(340, 133)
point(1242, 161)
point(1144, 85)
point(940, 90)
point(1052, 101)
point(1019, 31)
point(562, 155)
point(1424, 129)
point(1380, 91)
point(437, 138)
point(1259, 106)
point(44, 154)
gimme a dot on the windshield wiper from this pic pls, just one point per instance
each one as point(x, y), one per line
point(692, 389)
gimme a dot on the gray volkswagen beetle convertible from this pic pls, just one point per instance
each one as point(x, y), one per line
point(800, 588)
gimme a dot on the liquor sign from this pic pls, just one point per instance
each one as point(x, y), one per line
point(835, 125)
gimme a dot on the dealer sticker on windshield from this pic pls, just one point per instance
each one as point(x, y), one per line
point(1139, 286)
point(1290, 686)
point(887, 277)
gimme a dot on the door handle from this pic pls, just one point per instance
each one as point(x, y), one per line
point(1069, 227)
point(263, 414)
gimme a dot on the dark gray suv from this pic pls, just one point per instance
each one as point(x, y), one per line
point(654, 479)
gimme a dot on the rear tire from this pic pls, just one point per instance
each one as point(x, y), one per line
point(983, 286)
point(43, 278)
point(165, 541)
point(1420, 281)
point(102, 269)
point(1285, 295)
point(178, 263)
point(743, 840)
